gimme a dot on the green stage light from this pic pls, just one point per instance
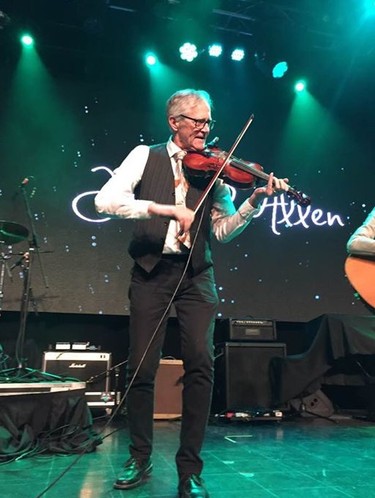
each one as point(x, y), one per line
point(369, 8)
point(237, 54)
point(27, 39)
point(279, 69)
point(300, 86)
point(151, 59)
point(215, 50)
point(188, 52)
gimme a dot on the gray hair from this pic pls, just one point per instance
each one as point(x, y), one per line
point(179, 102)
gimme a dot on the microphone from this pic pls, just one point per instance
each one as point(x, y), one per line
point(24, 182)
point(213, 143)
point(22, 186)
point(19, 262)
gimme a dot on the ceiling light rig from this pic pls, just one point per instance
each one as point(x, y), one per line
point(189, 52)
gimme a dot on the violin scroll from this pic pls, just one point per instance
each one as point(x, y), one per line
point(299, 197)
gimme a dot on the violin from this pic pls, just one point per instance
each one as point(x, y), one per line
point(202, 165)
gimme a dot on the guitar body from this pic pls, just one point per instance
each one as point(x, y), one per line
point(361, 274)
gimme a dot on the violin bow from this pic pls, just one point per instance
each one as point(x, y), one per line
point(218, 172)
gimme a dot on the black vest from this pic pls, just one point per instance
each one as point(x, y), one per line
point(157, 184)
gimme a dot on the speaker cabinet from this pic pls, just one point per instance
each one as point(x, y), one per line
point(242, 379)
point(168, 390)
point(88, 366)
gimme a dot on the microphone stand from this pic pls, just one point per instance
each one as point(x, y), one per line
point(3, 268)
point(21, 372)
point(34, 245)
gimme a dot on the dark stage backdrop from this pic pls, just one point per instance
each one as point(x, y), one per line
point(65, 124)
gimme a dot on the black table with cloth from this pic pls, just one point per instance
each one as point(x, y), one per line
point(52, 422)
point(338, 337)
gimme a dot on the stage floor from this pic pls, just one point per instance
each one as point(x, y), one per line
point(309, 457)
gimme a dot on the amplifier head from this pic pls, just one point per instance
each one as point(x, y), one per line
point(251, 330)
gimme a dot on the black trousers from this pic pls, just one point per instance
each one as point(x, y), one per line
point(195, 304)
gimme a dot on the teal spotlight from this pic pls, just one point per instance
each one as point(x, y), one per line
point(300, 86)
point(237, 54)
point(188, 52)
point(369, 8)
point(27, 40)
point(279, 69)
point(215, 50)
point(151, 59)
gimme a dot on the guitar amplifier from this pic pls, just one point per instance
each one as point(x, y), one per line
point(91, 367)
point(251, 330)
point(168, 389)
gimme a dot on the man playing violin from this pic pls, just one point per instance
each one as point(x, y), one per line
point(149, 188)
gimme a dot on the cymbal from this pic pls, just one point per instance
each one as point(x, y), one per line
point(11, 233)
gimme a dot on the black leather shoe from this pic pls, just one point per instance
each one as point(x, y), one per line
point(192, 487)
point(135, 472)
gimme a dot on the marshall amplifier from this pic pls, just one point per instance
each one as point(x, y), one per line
point(251, 330)
point(90, 367)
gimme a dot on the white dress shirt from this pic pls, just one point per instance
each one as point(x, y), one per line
point(116, 199)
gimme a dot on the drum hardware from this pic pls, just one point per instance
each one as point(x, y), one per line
point(10, 233)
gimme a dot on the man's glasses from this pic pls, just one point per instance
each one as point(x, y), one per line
point(200, 123)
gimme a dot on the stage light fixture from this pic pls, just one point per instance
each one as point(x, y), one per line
point(215, 50)
point(188, 52)
point(237, 54)
point(26, 39)
point(151, 59)
point(279, 69)
point(300, 86)
point(270, 66)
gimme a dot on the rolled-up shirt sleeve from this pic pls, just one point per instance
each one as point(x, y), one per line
point(362, 242)
point(116, 198)
point(227, 222)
